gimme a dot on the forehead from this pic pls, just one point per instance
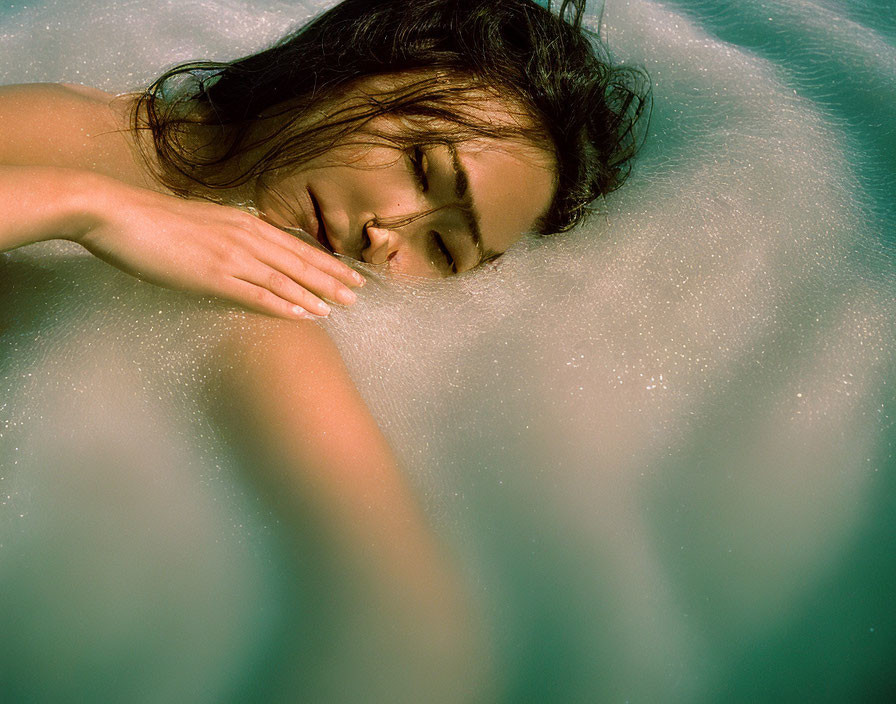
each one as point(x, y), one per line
point(511, 183)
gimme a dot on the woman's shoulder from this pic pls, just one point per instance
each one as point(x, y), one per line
point(288, 381)
point(276, 353)
point(62, 124)
point(295, 361)
point(27, 97)
point(85, 92)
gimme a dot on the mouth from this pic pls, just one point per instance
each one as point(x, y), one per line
point(321, 234)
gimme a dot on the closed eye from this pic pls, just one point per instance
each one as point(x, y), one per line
point(418, 160)
point(443, 250)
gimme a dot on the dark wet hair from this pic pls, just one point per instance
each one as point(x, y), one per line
point(581, 108)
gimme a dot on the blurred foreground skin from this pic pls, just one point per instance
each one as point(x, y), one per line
point(350, 597)
point(404, 630)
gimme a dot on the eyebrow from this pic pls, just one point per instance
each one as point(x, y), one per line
point(467, 207)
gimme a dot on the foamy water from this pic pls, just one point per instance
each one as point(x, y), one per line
point(661, 446)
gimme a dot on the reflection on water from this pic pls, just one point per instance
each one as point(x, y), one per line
point(660, 447)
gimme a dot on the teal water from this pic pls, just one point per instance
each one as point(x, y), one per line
point(839, 55)
point(661, 448)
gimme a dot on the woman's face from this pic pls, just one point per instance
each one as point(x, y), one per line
point(479, 197)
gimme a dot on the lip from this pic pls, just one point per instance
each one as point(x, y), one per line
point(320, 229)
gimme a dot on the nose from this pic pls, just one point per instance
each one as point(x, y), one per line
point(382, 244)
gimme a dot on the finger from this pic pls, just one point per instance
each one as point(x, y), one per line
point(261, 299)
point(283, 286)
point(304, 273)
point(321, 259)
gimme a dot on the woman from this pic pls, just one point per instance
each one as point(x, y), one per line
point(370, 96)
point(422, 137)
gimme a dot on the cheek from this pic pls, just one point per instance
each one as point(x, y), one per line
point(413, 261)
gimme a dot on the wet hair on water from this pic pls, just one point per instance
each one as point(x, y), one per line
point(449, 56)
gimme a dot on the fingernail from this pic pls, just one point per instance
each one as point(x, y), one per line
point(346, 296)
point(322, 308)
point(301, 313)
point(358, 278)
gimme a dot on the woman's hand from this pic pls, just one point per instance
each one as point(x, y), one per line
point(214, 250)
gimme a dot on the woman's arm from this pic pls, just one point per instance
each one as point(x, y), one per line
point(194, 246)
point(67, 170)
point(401, 605)
point(41, 203)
